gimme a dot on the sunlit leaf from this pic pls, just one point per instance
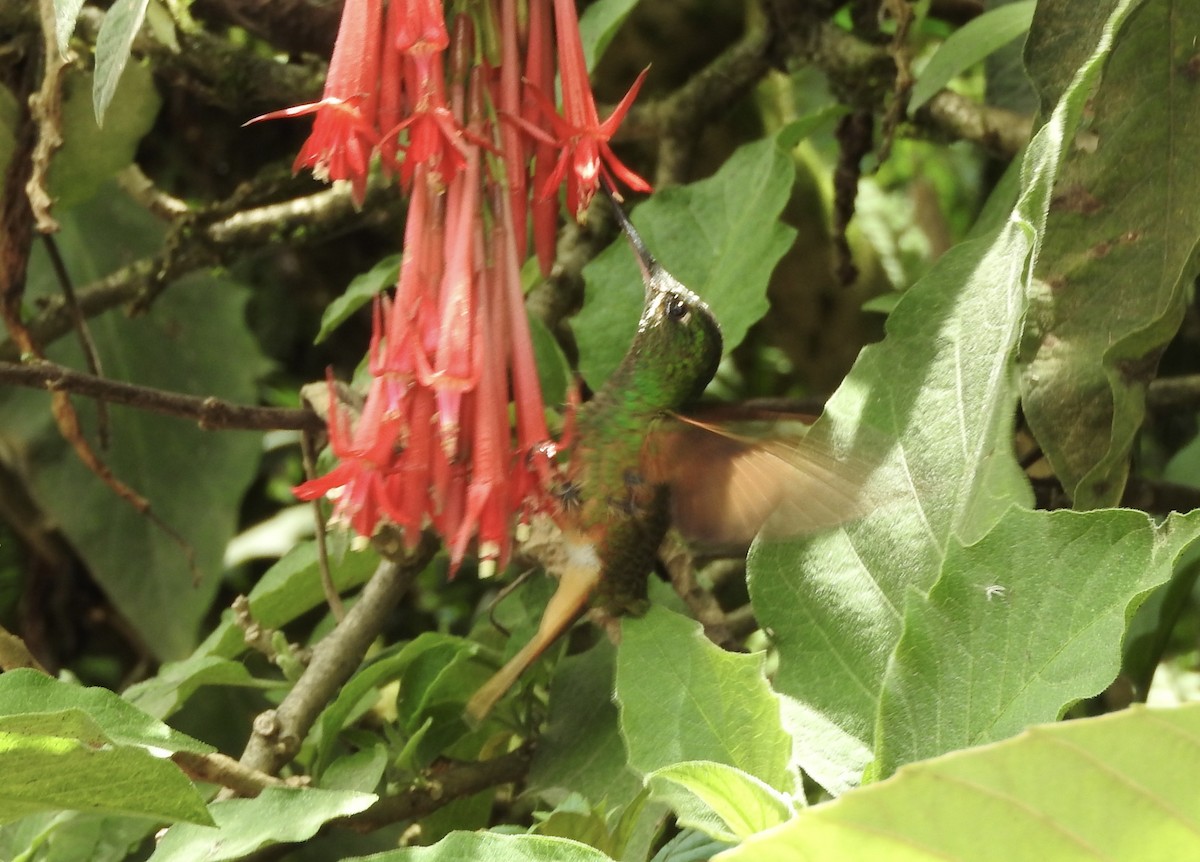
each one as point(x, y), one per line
point(1020, 625)
point(459, 846)
point(1116, 788)
point(720, 800)
point(27, 691)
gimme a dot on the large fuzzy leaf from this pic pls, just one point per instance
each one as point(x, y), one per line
point(193, 340)
point(1020, 625)
point(459, 846)
point(683, 698)
point(1119, 254)
point(1119, 788)
point(942, 385)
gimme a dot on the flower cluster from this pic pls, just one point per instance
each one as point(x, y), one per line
point(481, 150)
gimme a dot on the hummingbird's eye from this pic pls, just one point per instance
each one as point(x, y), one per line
point(677, 309)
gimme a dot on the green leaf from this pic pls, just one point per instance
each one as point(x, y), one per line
point(941, 385)
point(66, 724)
point(459, 846)
point(554, 372)
point(721, 237)
point(27, 691)
point(66, 13)
point(175, 682)
point(362, 289)
point(996, 647)
point(598, 24)
point(684, 698)
point(1061, 39)
point(577, 820)
point(63, 760)
point(969, 45)
point(1119, 258)
point(581, 748)
point(276, 816)
point(113, 44)
point(1120, 787)
point(193, 478)
point(69, 836)
point(434, 689)
point(360, 771)
point(292, 586)
point(91, 155)
point(732, 805)
point(423, 665)
point(289, 589)
point(690, 846)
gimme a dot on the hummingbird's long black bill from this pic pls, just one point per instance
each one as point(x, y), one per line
point(646, 260)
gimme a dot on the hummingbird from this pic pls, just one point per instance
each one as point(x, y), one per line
point(640, 465)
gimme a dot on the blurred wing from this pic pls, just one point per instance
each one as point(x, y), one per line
point(726, 487)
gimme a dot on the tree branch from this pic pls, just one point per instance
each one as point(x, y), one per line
point(1001, 132)
point(279, 732)
point(1173, 393)
point(440, 788)
point(677, 120)
point(200, 240)
point(209, 413)
point(217, 768)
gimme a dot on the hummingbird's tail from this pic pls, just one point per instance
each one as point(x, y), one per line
point(568, 603)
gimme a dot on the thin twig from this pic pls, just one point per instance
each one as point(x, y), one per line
point(46, 110)
point(91, 356)
point(331, 594)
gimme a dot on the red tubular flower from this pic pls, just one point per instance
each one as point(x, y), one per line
point(344, 132)
point(420, 27)
point(364, 459)
point(581, 136)
point(508, 100)
point(535, 450)
point(539, 78)
point(487, 515)
point(434, 445)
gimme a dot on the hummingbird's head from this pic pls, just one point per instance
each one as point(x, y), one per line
point(677, 335)
point(678, 332)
